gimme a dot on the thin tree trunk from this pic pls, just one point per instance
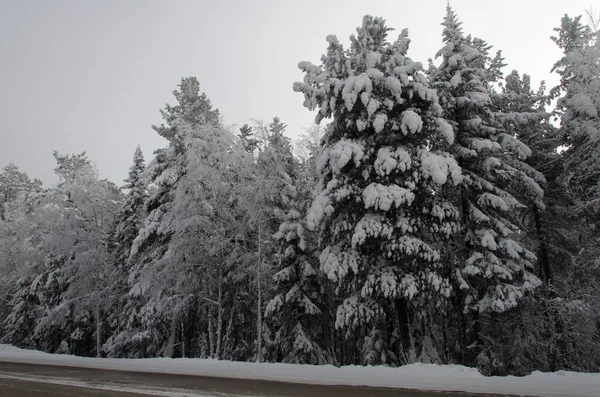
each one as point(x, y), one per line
point(211, 333)
point(332, 343)
point(259, 292)
point(182, 337)
point(403, 324)
point(544, 261)
point(219, 319)
point(98, 330)
point(228, 333)
point(475, 339)
point(170, 348)
point(2, 209)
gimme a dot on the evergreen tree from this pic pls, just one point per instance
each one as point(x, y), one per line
point(131, 217)
point(522, 113)
point(493, 268)
point(193, 109)
point(127, 227)
point(18, 252)
point(298, 321)
point(381, 210)
point(574, 336)
point(307, 150)
point(269, 198)
point(296, 309)
point(579, 109)
point(183, 253)
point(249, 142)
point(13, 182)
point(281, 145)
point(18, 195)
point(23, 309)
point(520, 334)
point(66, 289)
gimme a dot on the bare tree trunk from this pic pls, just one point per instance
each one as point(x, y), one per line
point(219, 319)
point(229, 330)
point(543, 249)
point(170, 348)
point(182, 337)
point(98, 330)
point(2, 209)
point(211, 333)
point(403, 324)
point(210, 316)
point(259, 357)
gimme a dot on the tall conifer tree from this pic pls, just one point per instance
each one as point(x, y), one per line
point(493, 268)
point(380, 208)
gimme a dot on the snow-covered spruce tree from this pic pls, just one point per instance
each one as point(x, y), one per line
point(269, 194)
point(281, 145)
point(298, 322)
point(22, 310)
point(132, 213)
point(493, 268)
point(148, 313)
point(578, 107)
point(202, 262)
point(246, 136)
point(57, 330)
point(89, 207)
point(18, 194)
point(300, 308)
point(576, 301)
point(521, 338)
point(18, 253)
point(183, 278)
point(307, 149)
point(68, 285)
point(12, 183)
point(126, 228)
point(491, 66)
point(380, 209)
point(522, 113)
point(296, 318)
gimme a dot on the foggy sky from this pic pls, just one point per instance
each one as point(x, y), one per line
point(92, 75)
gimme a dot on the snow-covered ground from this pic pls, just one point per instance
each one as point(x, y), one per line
point(414, 376)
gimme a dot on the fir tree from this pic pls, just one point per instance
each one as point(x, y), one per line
point(127, 227)
point(579, 110)
point(493, 270)
point(66, 287)
point(270, 193)
point(148, 319)
point(307, 150)
point(574, 336)
point(132, 212)
point(13, 182)
point(184, 252)
point(281, 145)
point(522, 113)
point(379, 219)
point(249, 142)
point(295, 315)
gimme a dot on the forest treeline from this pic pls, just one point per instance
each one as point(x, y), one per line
point(440, 213)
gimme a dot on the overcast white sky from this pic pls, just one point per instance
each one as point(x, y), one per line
point(92, 75)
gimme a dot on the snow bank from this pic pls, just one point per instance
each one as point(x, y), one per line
point(414, 376)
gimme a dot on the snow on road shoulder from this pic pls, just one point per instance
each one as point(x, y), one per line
point(106, 387)
point(414, 376)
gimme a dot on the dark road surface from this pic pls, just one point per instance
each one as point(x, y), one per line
point(25, 380)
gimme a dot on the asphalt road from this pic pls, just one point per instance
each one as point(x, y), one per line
point(26, 380)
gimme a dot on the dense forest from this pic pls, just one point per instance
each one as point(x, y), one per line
point(438, 213)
